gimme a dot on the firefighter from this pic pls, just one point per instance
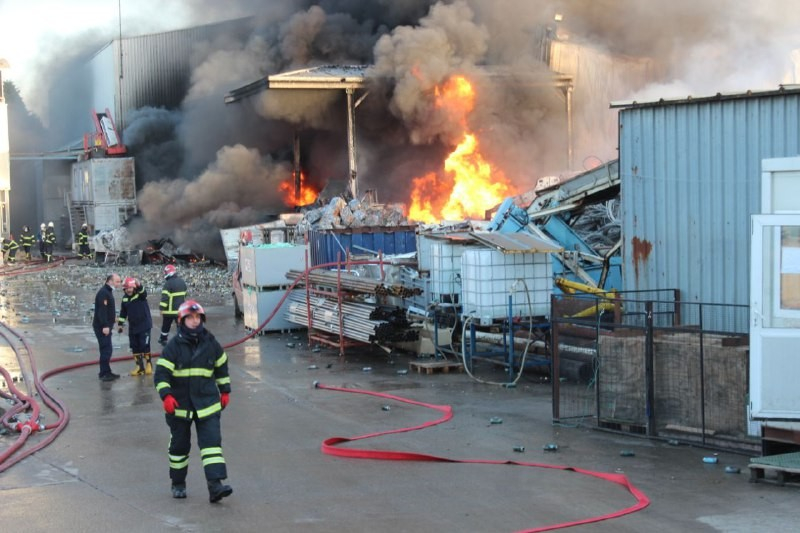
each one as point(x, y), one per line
point(49, 241)
point(172, 296)
point(40, 239)
point(192, 380)
point(135, 311)
point(82, 238)
point(27, 239)
point(10, 248)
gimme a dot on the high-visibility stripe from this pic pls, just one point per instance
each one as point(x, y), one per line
point(193, 372)
point(177, 465)
point(210, 410)
point(162, 385)
point(167, 306)
point(169, 365)
point(224, 381)
point(183, 413)
point(221, 360)
point(211, 451)
point(214, 461)
point(177, 458)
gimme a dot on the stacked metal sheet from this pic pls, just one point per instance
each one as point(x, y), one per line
point(354, 320)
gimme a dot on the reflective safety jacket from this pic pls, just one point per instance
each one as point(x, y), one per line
point(50, 236)
point(27, 238)
point(172, 295)
point(194, 372)
point(136, 312)
point(9, 244)
point(83, 237)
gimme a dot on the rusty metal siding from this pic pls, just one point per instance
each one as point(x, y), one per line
point(690, 179)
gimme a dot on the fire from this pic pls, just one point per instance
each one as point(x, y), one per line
point(469, 184)
point(307, 194)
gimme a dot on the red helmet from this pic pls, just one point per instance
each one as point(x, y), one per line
point(169, 270)
point(129, 283)
point(188, 307)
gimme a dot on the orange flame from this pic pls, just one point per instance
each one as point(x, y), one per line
point(307, 194)
point(469, 185)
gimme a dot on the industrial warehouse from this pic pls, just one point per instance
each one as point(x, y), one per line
point(455, 287)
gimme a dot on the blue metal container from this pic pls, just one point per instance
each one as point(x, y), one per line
point(328, 246)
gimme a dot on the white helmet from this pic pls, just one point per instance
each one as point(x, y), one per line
point(50, 224)
point(42, 226)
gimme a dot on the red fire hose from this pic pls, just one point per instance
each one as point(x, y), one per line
point(330, 447)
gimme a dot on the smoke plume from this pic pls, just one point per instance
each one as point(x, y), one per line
point(209, 165)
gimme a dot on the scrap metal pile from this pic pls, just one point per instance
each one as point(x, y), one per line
point(339, 213)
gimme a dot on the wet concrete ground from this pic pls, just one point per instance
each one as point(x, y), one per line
point(108, 470)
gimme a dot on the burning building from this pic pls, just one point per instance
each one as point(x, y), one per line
point(437, 108)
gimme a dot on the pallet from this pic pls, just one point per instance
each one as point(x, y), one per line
point(785, 466)
point(433, 366)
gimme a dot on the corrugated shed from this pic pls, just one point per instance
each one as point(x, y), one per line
point(690, 179)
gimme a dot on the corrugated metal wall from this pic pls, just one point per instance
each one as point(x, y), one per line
point(329, 246)
point(156, 71)
point(691, 176)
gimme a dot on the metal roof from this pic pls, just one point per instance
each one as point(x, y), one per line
point(781, 91)
point(322, 77)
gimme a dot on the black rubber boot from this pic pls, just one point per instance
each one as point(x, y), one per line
point(217, 491)
point(179, 490)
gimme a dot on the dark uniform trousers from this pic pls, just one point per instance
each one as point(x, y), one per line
point(209, 438)
point(106, 349)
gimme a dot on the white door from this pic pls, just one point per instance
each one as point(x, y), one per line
point(775, 317)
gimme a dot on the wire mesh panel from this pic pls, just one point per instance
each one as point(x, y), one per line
point(661, 367)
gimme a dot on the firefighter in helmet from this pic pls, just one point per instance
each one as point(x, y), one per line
point(49, 241)
point(82, 238)
point(10, 247)
point(172, 296)
point(135, 311)
point(27, 239)
point(192, 379)
point(40, 238)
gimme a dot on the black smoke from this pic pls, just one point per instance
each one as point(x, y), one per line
point(209, 165)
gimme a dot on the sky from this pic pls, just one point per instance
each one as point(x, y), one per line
point(31, 29)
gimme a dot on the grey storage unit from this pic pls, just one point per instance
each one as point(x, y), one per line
point(690, 174)
point(264, 283)
point(267, 265)
point(259, 305)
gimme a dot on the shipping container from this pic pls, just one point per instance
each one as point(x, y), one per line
point(328, 246)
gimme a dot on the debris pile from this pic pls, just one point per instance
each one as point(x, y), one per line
point(114, 241)
point(338, 214)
